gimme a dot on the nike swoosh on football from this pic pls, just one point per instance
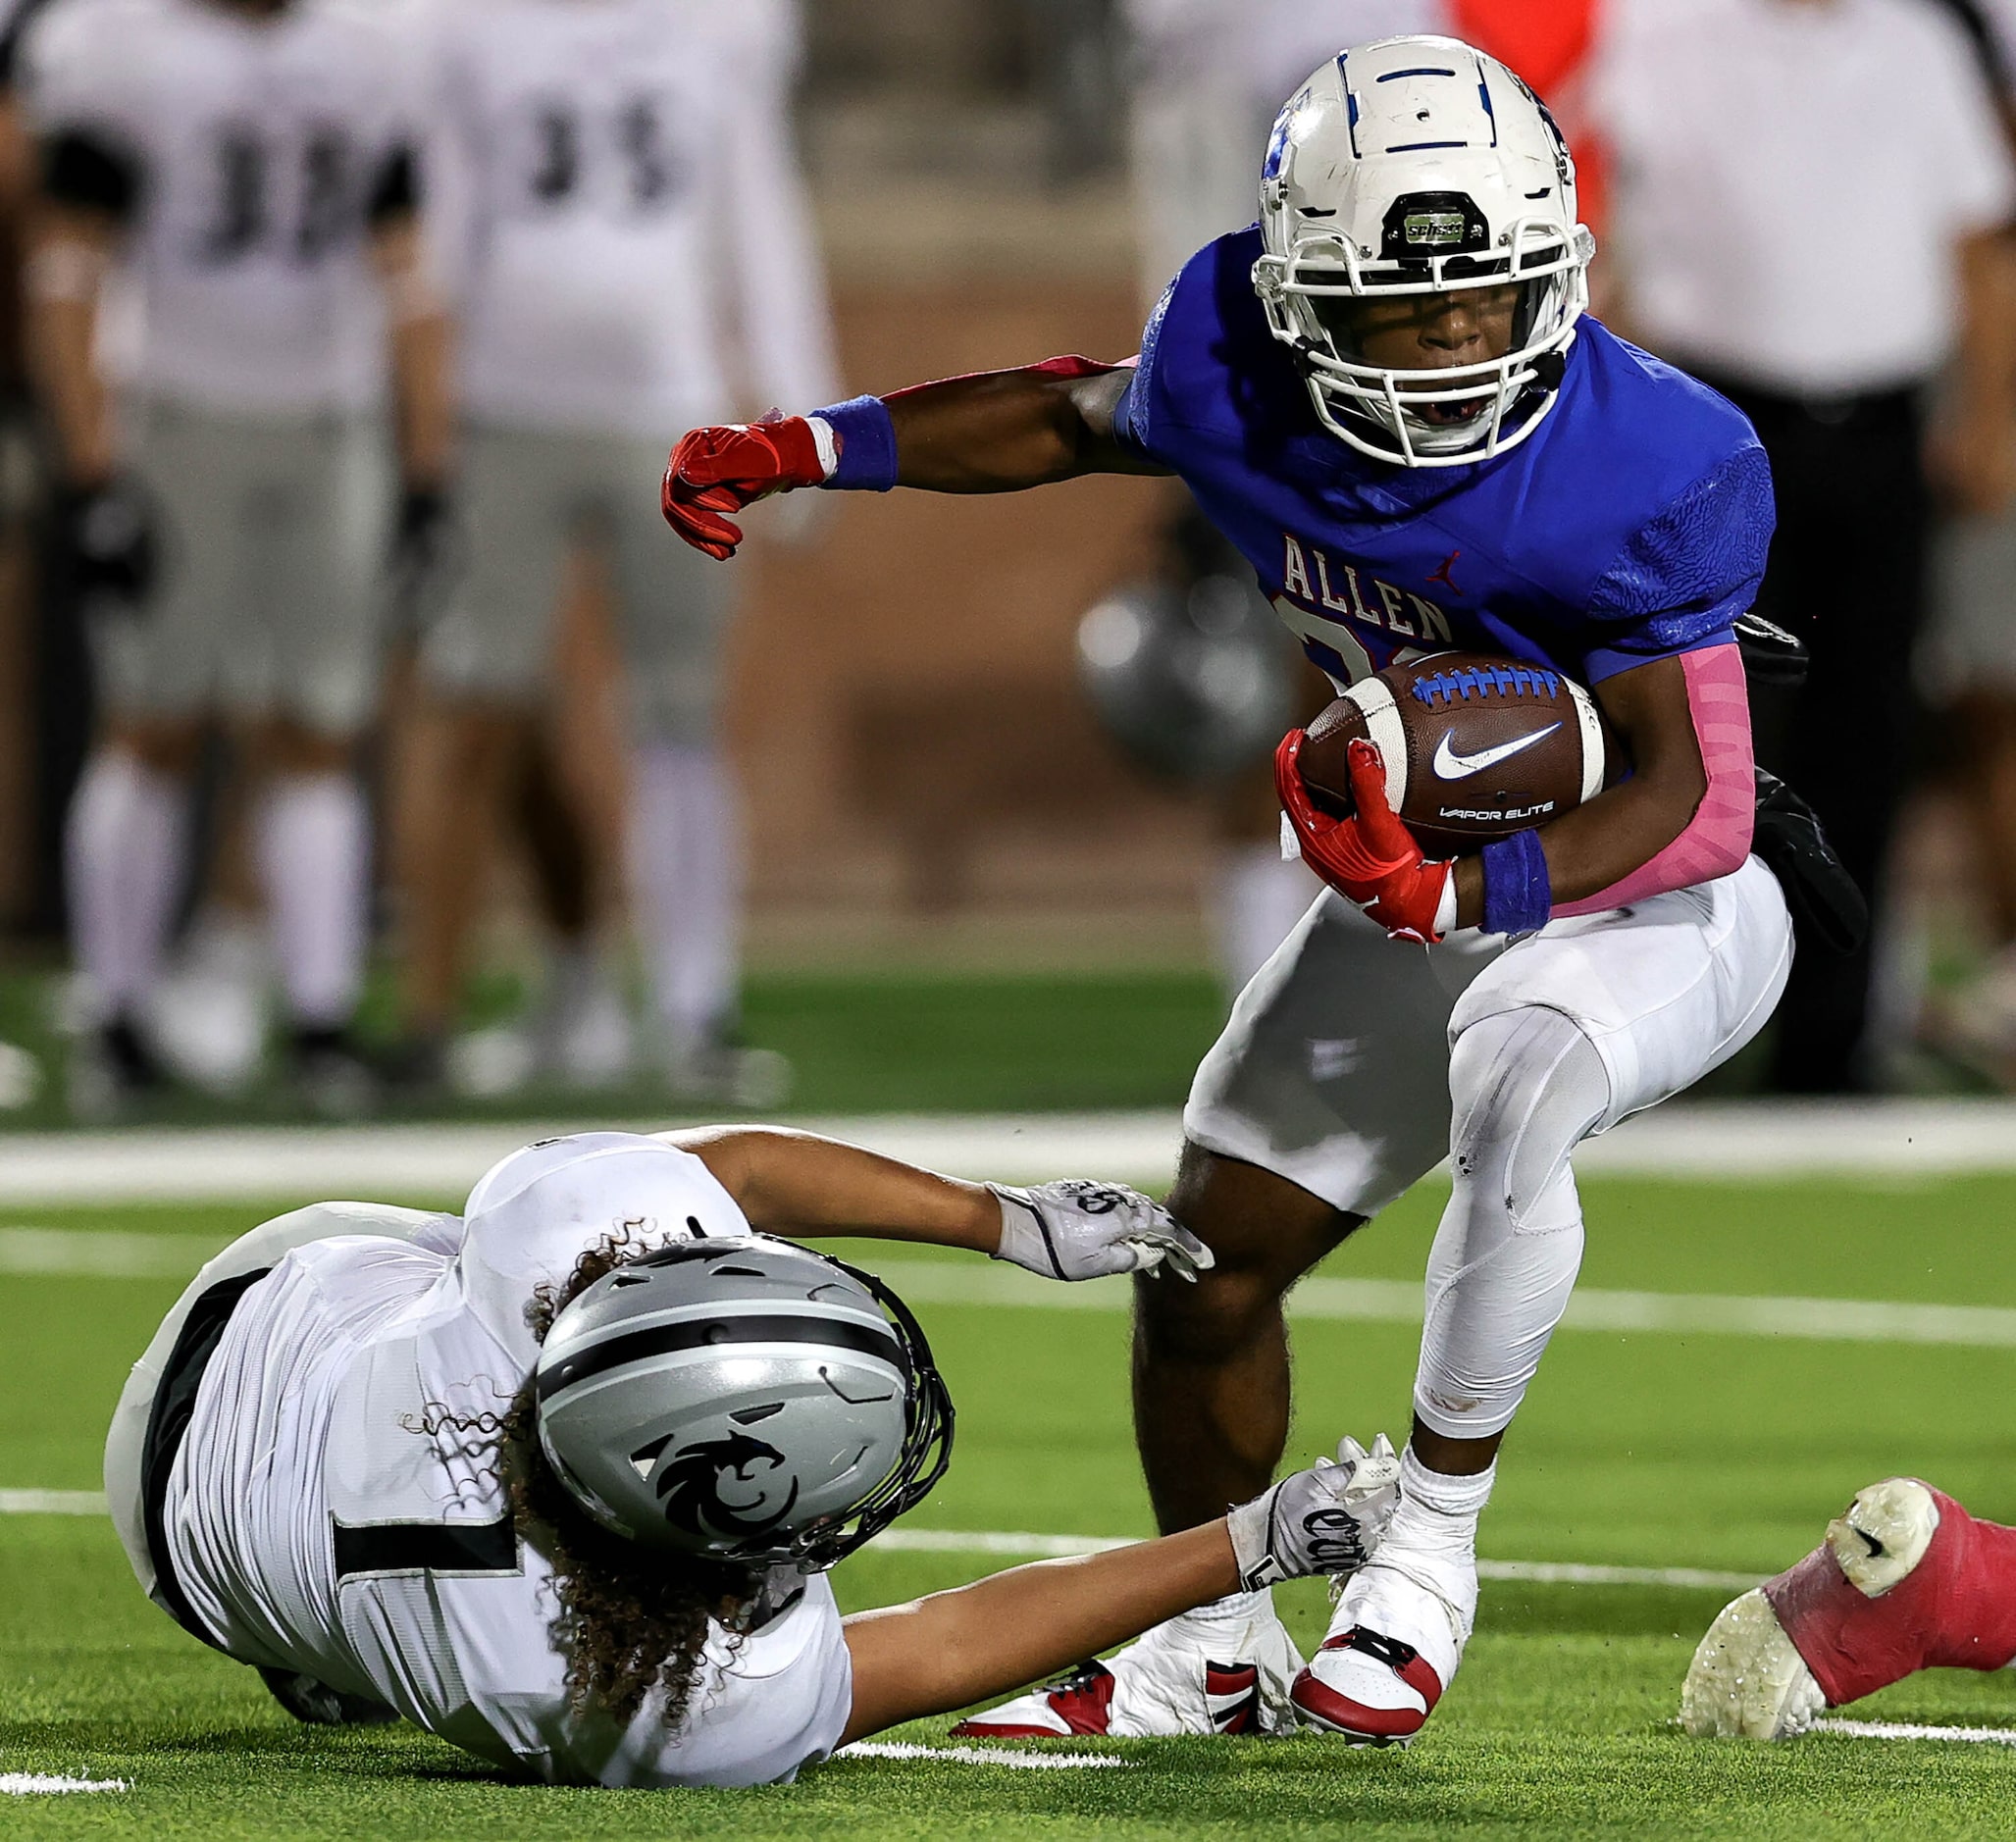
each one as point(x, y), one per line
point(1450, 766)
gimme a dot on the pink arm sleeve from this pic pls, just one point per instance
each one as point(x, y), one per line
point(1717, 838)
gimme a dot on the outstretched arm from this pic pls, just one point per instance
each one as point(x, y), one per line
point(801, 1185)
point(995, 432)
point(1004, 431)
point(955, 1648)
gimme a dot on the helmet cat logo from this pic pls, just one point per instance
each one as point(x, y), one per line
point(697, 1484)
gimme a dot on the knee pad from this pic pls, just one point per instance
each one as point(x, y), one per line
point(1526, 1086)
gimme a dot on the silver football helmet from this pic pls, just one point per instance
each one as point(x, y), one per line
point(1420, 166)
point(742, 1399)
point(1194, 681)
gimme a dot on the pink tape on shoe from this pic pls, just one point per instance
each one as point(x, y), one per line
point(1716, 839)
point(1956, 1610)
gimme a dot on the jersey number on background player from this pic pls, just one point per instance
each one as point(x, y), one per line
point(246, 219)
point(653, 174)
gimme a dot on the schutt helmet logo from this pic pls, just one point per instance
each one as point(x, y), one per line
point(722, 1486)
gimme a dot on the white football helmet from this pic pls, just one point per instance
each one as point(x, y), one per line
point(1420, 166)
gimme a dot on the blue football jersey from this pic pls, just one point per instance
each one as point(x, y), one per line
point(1630, 525)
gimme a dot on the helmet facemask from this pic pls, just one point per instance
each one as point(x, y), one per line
point(1388, 411)
point(1418, 173)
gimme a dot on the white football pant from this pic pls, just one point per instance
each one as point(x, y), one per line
point(1353, 1064)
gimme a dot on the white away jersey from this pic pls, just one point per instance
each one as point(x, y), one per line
point(621, 214)
point(254, 147)
point(325, 1515)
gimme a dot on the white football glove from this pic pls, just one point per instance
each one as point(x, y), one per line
point(1076, 1229)
point(1326, 1519)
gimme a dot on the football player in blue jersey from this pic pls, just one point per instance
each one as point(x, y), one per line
point(1389, 395)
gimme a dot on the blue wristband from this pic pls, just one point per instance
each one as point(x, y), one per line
point(867, 446)
point(1519, 896)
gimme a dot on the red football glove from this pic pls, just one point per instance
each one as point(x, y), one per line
point(1369, 858)
point(719, 470)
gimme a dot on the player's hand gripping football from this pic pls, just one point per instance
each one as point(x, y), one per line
point(1076, 1229)
point(718, 471)
point(1326, 1519)
point(1369, 858)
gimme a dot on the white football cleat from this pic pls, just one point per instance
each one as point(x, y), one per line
point(1747, 1682)
point(1392, 1650)
point(1194, 1675)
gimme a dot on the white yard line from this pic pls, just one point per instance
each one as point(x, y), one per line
point(53, 1502)
point(1710, 1141)
point(114, 1254)
point(104, 1253)
point(1901, 1731)
point(925, 1541)
point(1399, 1302)
point(39, 1784)
point(1025, 1545)
point(1012, 1758)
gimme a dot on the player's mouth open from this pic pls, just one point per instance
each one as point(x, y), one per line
point(1449, 415)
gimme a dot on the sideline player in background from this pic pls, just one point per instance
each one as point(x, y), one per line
point(1388, 394)
point(1967, 657)
point(240, 175)
point(559, 1480)
point(1722, 272)
point(631, 246)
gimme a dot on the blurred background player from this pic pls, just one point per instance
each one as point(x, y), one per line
point(1968, 672)
point(628, 233)
point(1208, 79)
point(240, 174)
point(1746, 256)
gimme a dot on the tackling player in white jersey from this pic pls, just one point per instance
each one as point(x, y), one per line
point(240, 174)
point(631, 246)
point(558, 1479)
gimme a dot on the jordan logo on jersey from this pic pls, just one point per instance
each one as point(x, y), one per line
point(1443, 576)
point(1311, 579)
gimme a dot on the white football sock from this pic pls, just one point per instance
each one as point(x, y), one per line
point(311, 839)
point(686, 868)
point(125, 849)
point(1431, 1545)
point(1257, 899)
point(1438, 1505)
point(585, 1027)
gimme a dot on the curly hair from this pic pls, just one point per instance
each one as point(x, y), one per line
point(630, 1622)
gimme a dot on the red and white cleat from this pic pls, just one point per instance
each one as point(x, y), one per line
point(1174, 1679)
point(1905, 1580)
point(1392, 1652)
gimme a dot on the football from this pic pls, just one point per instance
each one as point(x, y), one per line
point(1475, 748)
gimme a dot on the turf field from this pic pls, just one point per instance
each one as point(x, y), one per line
point(859, 1041)
point(1700, 1449)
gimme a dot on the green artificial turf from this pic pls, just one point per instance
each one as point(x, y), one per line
point(856, 1042)
point(1694, 1450)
